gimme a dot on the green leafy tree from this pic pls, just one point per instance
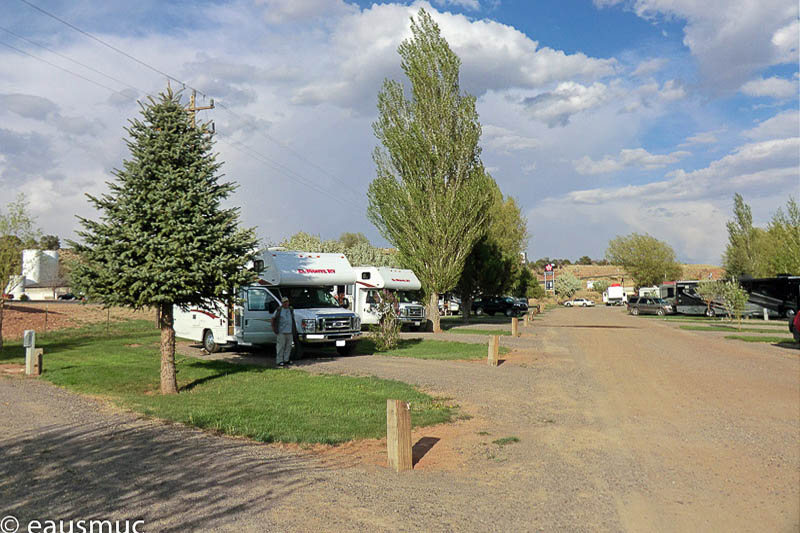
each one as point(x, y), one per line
point(648, 260)
point(163, 238)
point(17, 231)
point(493, 266)
point(431, 196)
point(536, 290)
point(566, 285)
point(734, 298)
point(709, 291)
point(524, 284)
point(386, 332)
point(600, 286)
point(50, 242)
point(361, 252)
point(350, 240)
point(781, 242)
point(584, 260)
point(741, 255)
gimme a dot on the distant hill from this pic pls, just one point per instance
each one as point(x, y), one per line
point(616, 273)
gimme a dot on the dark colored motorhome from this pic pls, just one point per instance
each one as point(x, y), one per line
point(779, 295)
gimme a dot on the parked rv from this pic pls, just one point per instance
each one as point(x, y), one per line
point(615, 295)
point(306, 279)
point(370, 280)
point(780, 295)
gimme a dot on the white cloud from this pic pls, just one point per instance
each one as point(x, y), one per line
point(784, 124)
point(636, 157)
point(282, 11)
point(362, 50)
point(651, 66)
point(505, 140)
point(731, 39)
point(474, 5)
point(706, 137)
point(529, 169)
point(568, 98)
point(773, 87)
point(686, 209)
point(772, 162)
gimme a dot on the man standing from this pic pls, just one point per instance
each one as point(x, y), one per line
point(283, 326)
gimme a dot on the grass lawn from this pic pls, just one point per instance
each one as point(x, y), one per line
point(754, 338)
point(425, 349)
point(263, 404)
point(729, 328)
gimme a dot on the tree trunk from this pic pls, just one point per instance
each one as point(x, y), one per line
point(466, 307)
point(2, 308)
point(169, 379)
point(433, 313)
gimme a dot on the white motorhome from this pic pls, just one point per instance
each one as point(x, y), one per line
point(303, 277)
point(615, 295)
point(404, 283)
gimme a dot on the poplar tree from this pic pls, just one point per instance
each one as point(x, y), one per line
point(431, 196)
point(17, 231)
point(163, 237)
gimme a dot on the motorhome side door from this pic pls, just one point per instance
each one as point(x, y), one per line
point(257, 320)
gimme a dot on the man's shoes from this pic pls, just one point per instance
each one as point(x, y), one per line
point(280, 365)
point(289, 363)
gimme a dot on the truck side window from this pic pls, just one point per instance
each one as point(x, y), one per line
point(257, 300)
point(371, 298)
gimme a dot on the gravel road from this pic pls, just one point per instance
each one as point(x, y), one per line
point(623, 424)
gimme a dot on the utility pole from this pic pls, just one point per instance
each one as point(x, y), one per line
point(193, 109)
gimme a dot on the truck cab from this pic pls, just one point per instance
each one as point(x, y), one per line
point(303, 277)
point(403, 283)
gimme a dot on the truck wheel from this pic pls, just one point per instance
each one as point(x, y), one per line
point(349, 348)
point(208, 342)
point(789, 313)
point(635, 311)
point(479, 311)
point(509, 312)
point(660, 312)
point(710, 313)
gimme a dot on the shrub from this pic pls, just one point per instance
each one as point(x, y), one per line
point(24, 298)
point(386, 332)
point(566, 285)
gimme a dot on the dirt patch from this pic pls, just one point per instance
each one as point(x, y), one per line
point(12, 369)
point(51, 316)
point(444, 447)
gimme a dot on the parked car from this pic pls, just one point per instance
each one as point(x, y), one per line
point(645, 305)
point(449, 306)
point(498, 304)
point(579, 302)
point(67, 296)
point(794, 326)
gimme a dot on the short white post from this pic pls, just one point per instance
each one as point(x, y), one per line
point(766, 314)
point(29, 343)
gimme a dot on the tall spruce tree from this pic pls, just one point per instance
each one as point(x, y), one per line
point(163, 237)
point(431, 196)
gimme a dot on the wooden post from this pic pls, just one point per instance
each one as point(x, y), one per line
point(46, 307)
point(108, 318)
point(29, 342)
point(398, 435)
point(494, 349)
point(37, 361)
point(515, 327)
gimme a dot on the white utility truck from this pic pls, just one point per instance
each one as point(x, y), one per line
point(404, 283)
point(615, 295)
point(303, 277)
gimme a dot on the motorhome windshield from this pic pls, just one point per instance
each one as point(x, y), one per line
point(408, 297)
point(309, 297)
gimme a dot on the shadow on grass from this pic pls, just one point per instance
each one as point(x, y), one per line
point(172, 478)
point(220, 368)
point(474, 321)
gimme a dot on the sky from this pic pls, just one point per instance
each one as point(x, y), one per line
point(601, 118)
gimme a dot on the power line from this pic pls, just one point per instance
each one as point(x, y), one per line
point(184, 84)
point(242, 148)
point(66, 70)
point(111, 46)
point(112, 78)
